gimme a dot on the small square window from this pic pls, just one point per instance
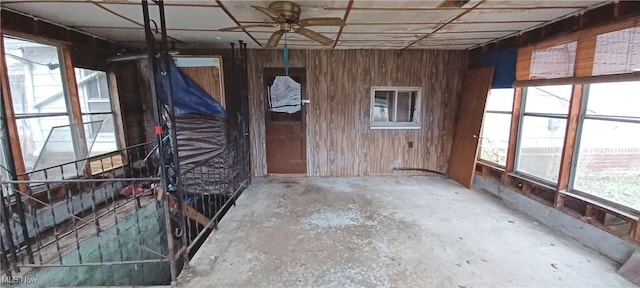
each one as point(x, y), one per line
point(395, 107)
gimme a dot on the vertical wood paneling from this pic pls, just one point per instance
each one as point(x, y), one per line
point(585, 51)
point(208, 78)
point(339, 141)
point(130, 88)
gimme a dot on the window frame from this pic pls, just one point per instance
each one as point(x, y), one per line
point(66, 83)
point(576, 155)
point(378, 125)
point(501, 112)
point(109, 99)
point(76, 142)
point(523, 113)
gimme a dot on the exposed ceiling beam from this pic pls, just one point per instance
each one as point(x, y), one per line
point(133, 21)
point(236, 21)
point(344, 20)
point(597, 16)
point(445, 24)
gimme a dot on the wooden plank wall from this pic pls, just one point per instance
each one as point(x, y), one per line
point(131, 90)
point(585, 51)
point(339, 141)
point(208, 78)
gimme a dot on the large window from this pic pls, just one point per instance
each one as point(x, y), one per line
point(95, 102)
point(542, 130)
point(608, 153)
point(42, 108)
point(37, 91)
point(395, 107)
point(496, 126)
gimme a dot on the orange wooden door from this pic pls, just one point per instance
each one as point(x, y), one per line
point(286, 137)
point(464, 152)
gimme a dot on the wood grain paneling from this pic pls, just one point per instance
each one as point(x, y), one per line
point(131, 87)
point(209, 79)
point(339, 141)
point(585, 51)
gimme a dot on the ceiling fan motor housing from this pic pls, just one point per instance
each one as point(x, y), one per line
point(288, 10)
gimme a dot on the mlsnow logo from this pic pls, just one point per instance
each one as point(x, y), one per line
point(11, 280)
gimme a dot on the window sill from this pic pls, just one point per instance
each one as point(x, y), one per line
point(534, 180)
point(493, 165)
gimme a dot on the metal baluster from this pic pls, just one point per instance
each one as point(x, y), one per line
point(53, 215)
point(72, 211)
point(96, 222)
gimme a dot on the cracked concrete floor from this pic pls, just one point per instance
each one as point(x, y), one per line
point(387, 232)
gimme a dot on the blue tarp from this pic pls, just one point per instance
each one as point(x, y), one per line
point(504, 61)
point(188, 96)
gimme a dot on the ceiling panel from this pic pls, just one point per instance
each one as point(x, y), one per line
point(488, 27)
point(72, 14)
point(290, 36)
point(371, 23)
point(401, 16)
point(463, 35)
point(319, 29)
point(293, 39)
point(514, 15)
point(377, 36)
point(397, 4)
point(375, 43)
point(538, 3)
point(179, 17)
point(189, 2)
point(444, 47)
point(405, 28)
point(243, 12)
point(212, 39)
point(433, 41)
point(123, 35)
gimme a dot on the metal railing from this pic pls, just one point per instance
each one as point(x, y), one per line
point(50, 215)
point(51, 221)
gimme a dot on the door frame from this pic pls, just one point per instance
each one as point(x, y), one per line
point(295, 72)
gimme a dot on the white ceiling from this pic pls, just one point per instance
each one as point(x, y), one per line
point(371, 24)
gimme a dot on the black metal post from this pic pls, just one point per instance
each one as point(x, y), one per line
point(151, 54)
point(176, 185)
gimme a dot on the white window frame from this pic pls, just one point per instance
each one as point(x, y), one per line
point(548, 115)
point(416, 124)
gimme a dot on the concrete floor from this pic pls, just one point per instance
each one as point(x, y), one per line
point(387, 232)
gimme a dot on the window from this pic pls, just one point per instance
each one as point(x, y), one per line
point(496, 126)
point(42, 109)
point(39, 102)
point(542, 131)
point(95, 102)
point(608, 152)
point(395, 107)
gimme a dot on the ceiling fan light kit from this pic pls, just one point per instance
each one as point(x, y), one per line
point(286, 16)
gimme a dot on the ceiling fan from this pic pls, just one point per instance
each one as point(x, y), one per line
point(286, 16)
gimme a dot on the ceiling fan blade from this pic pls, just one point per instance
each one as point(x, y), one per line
point(321, 22)
point(315, 36)
point(246, 27)
point(272, 14)
point(274, 39)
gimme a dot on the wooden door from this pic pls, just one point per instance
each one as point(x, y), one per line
point(286, 133)
point(464, 152)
